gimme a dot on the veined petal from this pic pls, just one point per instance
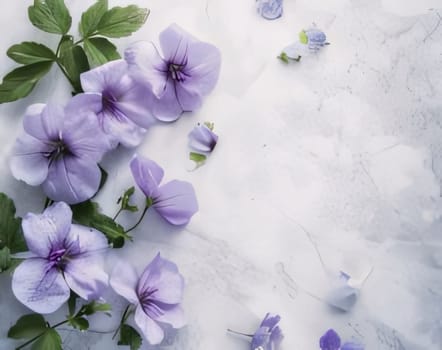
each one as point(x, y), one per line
point(83, 103)
point(39, 287)
point(104, 76)
point(124, 281)
point(44, 231)
point(175, 43)
point(85, 275)
point(173, 316)
point(176, 202)
point(90, 240)
point(32, 121)
point(72, 180)
point(162, 275)
point(168, 107)
point(52, 118)
point(202, 139)
point(147, 174)
point(149, 328)
point(146, 66)
point(29, 161)
point(188, 97)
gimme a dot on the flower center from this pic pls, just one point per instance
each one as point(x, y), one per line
point(56, 257)
point(60, 150)
point(176, 71)
point(148, 304)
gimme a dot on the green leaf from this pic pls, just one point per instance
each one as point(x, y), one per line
point(74, 61)
point(100, 51)
point(91, 18)
point(122, 21)
point(20, 82)
point(72, 303)
point(303, 38)
point(50, 340)
point(197, 157)
point(129, 336)
point(114, 232)
point(5, 259)
point(51, 16)
point(79, 323)
point(125, 198)
point(27, 327)
point(29, 52)
point(94, 307)
point(11, 235)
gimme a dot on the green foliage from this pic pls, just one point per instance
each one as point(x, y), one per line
point(29, 52)
point(51, 16)
point(121, 21)
point(50, 340)
point(100, 50)
point(91, 18)
point(27, 327)
point(197, 157)
point(125, 198)
point(129, 336)
point(73, 60)
point(79, 323)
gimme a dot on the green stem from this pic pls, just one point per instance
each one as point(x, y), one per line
point(148, 204)
point(118, 213)
point(38, 336)
point(48, 202)
point(124, 317)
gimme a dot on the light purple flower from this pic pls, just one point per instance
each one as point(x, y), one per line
point(270, 9)
point(315, 37)
point(175, 201)
point(187, 70)
point(331, 341)
point(118, 101)
point(62, 256)
point(156, 295)
point(202, 138)
point(269, 335)
point(60, 150)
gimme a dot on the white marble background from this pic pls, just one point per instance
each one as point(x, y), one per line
point(329, 164)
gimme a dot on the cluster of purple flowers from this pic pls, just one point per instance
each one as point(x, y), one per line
point(61, 146)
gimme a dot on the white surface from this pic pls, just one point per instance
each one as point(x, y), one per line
point(330, 164)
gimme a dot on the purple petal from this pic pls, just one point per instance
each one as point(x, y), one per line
point(175, 43)
point(84, 274)
point(147, 174)
point(168, 107)
point(150, 329)
point(83, 103)
point(352, 346)
point(276, 337)
point(269, 9)
point(173, 316)
point(188, 97)
point(72, 180)
point(270, 321)
point(203, 66)
point(162, 275)
point(44, 231)
point(100, 78)
point(90, 240)
point(176, 202)
point(261, 338)
point(124, 281)
point(202, 139)
point(29, 161)
point(32, 121)
point(147, 67)
point(39, 287)
point(330, 341)
point(44, 123)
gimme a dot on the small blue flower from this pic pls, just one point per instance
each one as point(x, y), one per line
point(331, 341)
point(316, 38)
point(269, 9)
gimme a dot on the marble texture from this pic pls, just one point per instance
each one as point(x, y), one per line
point(334, 163)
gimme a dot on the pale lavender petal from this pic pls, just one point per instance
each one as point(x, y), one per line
point(90, 240)
point(176, 202)
point(108, 74)
point(147, 67)
point(352, 346)
point(188, 97)
point(52, 118)
point(202, 139)
point(175, 43)
point(269, 9)
point(270, 321)
point(39, 287)
point(330, 341)
point(44, 231)
point(149, 328)
point(167, 108)
point(72, 180)
point(203, 65)
point(173, 316)
point(162, 275)
point(124, 281)
point(32, 121)
point(84, 136)
point(147, 174)
point(29, 161)
point(82, 103)
point(84, 274)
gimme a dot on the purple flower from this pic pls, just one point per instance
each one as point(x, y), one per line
point(269, 335)
point(331, 341)
point(314, 38)
point(60, 150)
point(175, 201)
point(118, 101)
point(202, 138)
point(179, 79)
point(269, 9)
point(156, 295)
point(62, 256)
